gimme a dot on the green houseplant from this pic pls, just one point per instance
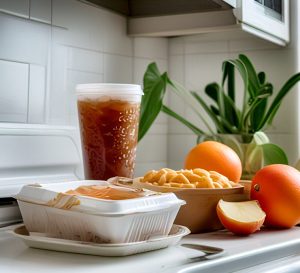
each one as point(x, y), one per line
point(239, 127)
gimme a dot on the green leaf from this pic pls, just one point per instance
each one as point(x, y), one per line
point(251, 110)
point(262, 77)
point(188, 124)
point(228, 73)
point(264, 92)
point(211, 90)
point(273, 154)
point(278, 99)
point(154, 91)
point(186, 96)
point(220, 125)
point(254, 83)
point(240, 66)
point(258, 113)
point(215, 110)
point(208, 111)
point(231, 112)
point(260, 152)
point(230, 109)
point(273, 114)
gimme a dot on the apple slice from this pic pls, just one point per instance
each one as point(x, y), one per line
point(241, 218)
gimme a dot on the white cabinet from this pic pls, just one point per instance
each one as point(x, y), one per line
point(266, 19)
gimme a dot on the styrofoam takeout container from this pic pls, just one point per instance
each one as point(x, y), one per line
point(37, 240)
point(96, 220)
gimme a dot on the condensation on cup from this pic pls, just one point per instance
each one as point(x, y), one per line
point(108, 119)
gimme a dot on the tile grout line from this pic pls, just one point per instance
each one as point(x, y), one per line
point(48, 74)
point(29, 9)
point(28, 92)
point(114, 53)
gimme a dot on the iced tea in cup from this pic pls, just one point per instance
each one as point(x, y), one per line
point(108, 119)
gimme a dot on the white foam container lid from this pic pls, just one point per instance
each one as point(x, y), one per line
point(43, 193)
point(110, 88)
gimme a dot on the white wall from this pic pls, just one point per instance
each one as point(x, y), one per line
point(47, 47)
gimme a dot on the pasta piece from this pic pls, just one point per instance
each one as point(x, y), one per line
point(180, 178)
point(148, 176)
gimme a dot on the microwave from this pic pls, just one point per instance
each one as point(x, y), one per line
point(268, 19)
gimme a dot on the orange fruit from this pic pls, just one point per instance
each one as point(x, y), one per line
point(241, 218)
point(277, 189)
point(215, 156)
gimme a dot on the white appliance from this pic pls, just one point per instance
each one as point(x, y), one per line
point(34, 154)
point(268, 19)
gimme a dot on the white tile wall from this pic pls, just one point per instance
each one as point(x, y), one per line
point(76, 18)
point(178, 73)
point(158, 144)
point(36, 94)
point(113, 35)
point(152, 48)
point(57, 101)
point(85, 60)
point(118, 68)
point(14, 95)
point(24, 40)
point(81, 43)
point(40, 10)
point(178, 147)
point(15, 7)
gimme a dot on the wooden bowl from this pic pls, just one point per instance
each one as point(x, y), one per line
point(199, 214)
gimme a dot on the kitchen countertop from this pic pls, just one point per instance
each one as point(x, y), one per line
point(241, 253)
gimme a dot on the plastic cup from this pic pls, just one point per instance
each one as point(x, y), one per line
point(108, 119)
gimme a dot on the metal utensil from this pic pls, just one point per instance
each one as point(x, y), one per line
point(210, 252)
point(126, 182)
point(123, 182)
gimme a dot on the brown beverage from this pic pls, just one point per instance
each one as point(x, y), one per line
point(109, 130)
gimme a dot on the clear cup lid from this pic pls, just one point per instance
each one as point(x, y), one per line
point(111, 88)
